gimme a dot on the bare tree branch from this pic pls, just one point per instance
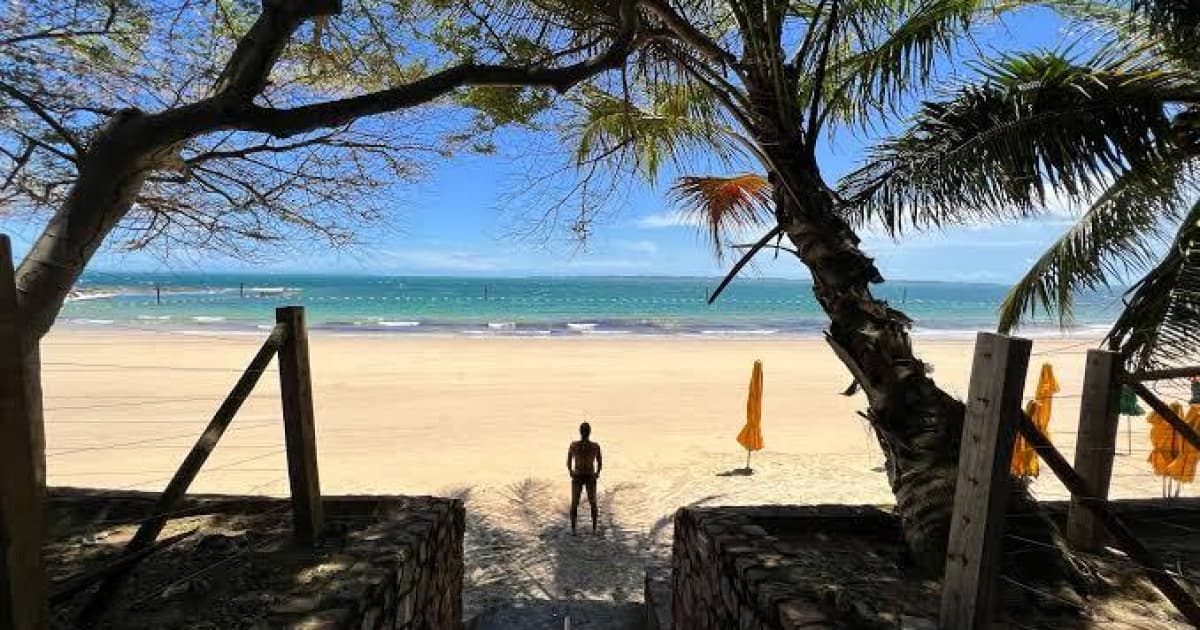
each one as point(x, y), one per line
point(40, 112)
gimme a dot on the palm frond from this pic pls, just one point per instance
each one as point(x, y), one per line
point(1035, 123)
point(890, 47)
point(1176, 21)
point(724, 204)
point(1114, 237)
point(677, 121)
point(1162, 311)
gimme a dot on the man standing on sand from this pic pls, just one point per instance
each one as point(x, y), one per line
point(584, 463)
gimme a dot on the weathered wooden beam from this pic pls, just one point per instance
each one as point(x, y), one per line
point(1172, 418)
point(66, 588)
point(1162, 375)
point(295, 388)
point(1121, 534)
point(177, 487)
point(977, 527)
point(22, 574)
point(1096, 443)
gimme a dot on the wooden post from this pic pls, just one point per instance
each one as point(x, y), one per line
point(1158, 375)
point(989, 429)
point(1184, 430)
point(1096, 443)
point(1122, 536)
point(295, 387)
point(22, 576)
point(150, 528)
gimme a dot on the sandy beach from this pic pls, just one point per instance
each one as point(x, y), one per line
point(489, 419)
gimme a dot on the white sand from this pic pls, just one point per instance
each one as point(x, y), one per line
point(489, 419)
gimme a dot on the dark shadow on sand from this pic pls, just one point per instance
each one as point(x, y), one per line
point(737, 472)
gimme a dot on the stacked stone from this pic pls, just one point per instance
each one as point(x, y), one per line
point(408, 574)
point(728, 572)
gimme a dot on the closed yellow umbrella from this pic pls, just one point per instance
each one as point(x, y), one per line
point(1047, 387)
point(751, 435)
point(1024, 459)
point(1165, 444)
point(1183, 467)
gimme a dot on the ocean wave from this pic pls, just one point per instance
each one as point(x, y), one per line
point(84, 295)
point(581, 326)
point(501, 325)
point(606, 332)
point(397, 324)
point(98, 322)
point(730, 333)
point(207, 319)
point(220, 333)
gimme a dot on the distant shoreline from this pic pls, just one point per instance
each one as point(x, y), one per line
point(401, 330)
point(545, 307)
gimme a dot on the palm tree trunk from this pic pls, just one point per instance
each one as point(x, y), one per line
point(918, 425)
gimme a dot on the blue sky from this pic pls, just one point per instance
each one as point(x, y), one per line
point(454, 222)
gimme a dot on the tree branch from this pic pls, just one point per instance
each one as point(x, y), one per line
point(246, 73)
point(40, 112)
point(754, 249)
point(690, 34)
point(211, 115)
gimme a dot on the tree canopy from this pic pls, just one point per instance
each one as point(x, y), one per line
point(295, 157)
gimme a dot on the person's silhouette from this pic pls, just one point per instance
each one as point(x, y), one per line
point(584, 463)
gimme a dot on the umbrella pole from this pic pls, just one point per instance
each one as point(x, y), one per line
point(748, 451)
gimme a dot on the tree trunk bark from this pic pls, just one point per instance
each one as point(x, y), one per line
point(111, 172)
point(919, 426)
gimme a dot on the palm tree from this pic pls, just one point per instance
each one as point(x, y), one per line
point(1116, 131)
point(771, 78)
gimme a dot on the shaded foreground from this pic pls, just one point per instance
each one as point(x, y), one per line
point(382, 562)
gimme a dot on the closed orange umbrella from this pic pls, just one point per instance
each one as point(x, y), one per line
point(1165, 443)
point(1047, 387)
point(751, 435)
point(1024, 458)
point(1183, 467)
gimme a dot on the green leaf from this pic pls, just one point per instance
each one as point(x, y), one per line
point(1034, 123)
point(676, 122)
point(1115, 236)
point(1162, 311)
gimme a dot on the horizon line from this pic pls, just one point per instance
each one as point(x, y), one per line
point(530, 276)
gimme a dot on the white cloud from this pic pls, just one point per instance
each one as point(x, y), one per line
point(670, 218)
point(641, 247)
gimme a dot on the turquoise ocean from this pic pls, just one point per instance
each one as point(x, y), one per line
point(539, 306)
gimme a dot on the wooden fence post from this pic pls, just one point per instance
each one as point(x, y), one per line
point(977, 528)
point(295, 388)
point(1096, 444)
point(22, 575)
point(177, 487)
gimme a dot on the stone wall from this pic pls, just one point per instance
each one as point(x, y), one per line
point(411, 578)
point(383, 562)
point(730, 569)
